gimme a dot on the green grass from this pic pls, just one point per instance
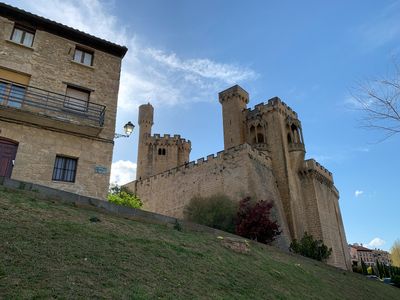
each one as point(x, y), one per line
point(52, 250)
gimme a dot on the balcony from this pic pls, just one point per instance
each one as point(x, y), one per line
point(28, 104)
point(296, 147)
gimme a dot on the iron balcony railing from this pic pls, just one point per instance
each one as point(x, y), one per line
point(29, 98)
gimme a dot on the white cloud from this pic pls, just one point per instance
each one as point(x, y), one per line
point(358, 193)
point(376, 242)
point(122, 172)
point(148, 74)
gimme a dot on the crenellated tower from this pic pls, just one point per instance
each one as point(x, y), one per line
point(158, 153)
point(145, 122)
point(233, 101)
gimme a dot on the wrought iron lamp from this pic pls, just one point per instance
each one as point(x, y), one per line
point(128, 128)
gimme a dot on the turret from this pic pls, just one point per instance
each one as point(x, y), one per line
point(145, 122)
point(234, 101)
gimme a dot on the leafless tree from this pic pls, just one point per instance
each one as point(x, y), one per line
point(379, 101)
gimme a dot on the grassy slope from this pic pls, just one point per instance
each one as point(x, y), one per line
point(52, 250)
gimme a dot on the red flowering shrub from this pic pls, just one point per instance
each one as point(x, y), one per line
point(253, 221)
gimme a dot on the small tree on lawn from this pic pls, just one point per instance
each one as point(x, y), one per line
point(122, 196)
point(253, 221)
point(311, 248)
point(364, 268)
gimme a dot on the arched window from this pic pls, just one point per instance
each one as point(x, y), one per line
point(260, 134)
point(260, 138)
point(162, 151)
point(289, 138)
point(295, 133)
point(253, 135)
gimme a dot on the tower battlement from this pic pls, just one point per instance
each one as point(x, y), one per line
point(272, 104)
point(234, 92)
point(158, 153)
point(168, 140)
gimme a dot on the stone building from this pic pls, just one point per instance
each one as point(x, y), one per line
point(263, 158)
point(369, 256)
point(58, 102)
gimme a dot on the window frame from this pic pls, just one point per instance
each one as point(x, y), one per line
point(24, 31)
point(11, 94)
point(74, 107)
point(64, 171)
point(84, 52)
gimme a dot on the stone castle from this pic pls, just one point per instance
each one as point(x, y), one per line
point(263, 158)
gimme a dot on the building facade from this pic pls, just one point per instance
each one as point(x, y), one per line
point(368, 256)
point(263, 158)
point(58, 102)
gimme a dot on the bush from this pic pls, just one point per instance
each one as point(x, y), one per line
point(216, 211)
point(311, 248)
point(122, 196)
point(396, 280)
point(253, 221)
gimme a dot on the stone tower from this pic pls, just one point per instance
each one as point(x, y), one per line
point(145, 122)
point(234, 101)
point(156, 153)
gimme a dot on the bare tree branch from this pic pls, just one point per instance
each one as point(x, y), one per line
point(379, 101)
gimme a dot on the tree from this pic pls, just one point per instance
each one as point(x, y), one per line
point(217, 211)
point(364, 267)
point(395, 253)
point(379, 100)
point(253, 221)
point(311, 248)
point(122, 196)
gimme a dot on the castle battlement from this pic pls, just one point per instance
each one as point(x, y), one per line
point(253, 154)
point(167, 139)
point(312, 165)
point(272, 104)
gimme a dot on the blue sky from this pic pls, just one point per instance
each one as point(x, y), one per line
point(309, 53)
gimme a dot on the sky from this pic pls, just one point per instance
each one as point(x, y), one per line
point(311, 54)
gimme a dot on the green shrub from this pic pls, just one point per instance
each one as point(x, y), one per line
point(396, 280)
point(217, 211)
point(311, 248)
point(122, 196)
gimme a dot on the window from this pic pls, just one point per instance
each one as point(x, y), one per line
point(65, 169)
point(83, 56)
point(162, 151)
point(23, 36)
point(76, 99)
point(11, 94)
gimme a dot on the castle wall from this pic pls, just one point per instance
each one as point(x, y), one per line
point(237, 173)
point(322, 213)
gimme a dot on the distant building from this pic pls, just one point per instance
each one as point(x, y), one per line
point(58, 102)
point(382, 256)
point(369, 256)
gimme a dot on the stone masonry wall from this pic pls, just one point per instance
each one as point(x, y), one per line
point(37, 151)
point(322, 214)
point(237, 173)
point(49, 63)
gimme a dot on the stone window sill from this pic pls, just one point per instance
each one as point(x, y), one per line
point(21, 45)
point(81, 64)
